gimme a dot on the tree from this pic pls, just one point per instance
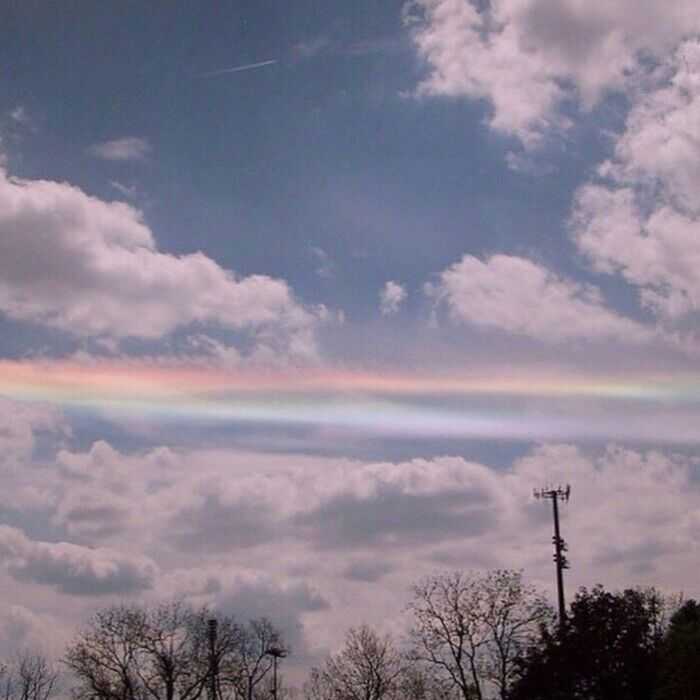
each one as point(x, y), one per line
point(29, 677)
point(105, 656)
point(252, 661)
point(165, 653)
point(607, 650)
point(368, 667)
point(420, 682)
point(473, 627)
point(679, 673)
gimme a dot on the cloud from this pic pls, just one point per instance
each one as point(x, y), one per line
point(391, 297)
point(73, 569)
point(445, 498)
point(528, 57)
point(92, 268)
point(218, 526)
point(284, 603)
point(367, 570)
point(518, 296)
point(641, 218)
point(22, 629)
point(20, 426)
point(326, 266)
point(127, 148)
point(346, 523)
point(19, 115)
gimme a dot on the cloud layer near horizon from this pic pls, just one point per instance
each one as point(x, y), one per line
point(315, 536)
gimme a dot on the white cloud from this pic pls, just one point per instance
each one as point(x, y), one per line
point(519, 296)
point(391, 297)
point(642, 218)
point(127, 148)
point(20, 426)
point(528, 56)
point(92, 268)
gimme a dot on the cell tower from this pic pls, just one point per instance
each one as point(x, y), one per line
point(555, 495)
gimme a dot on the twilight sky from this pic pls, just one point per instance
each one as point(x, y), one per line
point(300, 301)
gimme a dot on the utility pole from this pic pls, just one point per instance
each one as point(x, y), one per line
point(213, 662)
point(560, 560)
point(276, 652)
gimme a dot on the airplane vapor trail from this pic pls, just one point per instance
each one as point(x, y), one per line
point(237, 69)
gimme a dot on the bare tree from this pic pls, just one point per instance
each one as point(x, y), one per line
point(163, 653)
point(29, 677)
point(252, 661)
point(105, 657)
point(368, 667)
point(177, 657)
point(421, 682)
point(473, 627)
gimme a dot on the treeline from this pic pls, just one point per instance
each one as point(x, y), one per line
point(472, 636)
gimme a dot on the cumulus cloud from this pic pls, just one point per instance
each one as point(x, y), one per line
point(92, 268)
point(391, 297)
point(20, 426)
point(73, 569)
point(641, 218)
point(519, 296)
point(219, 525)
point(127, 148)
point(527, 57)
point(361, 531)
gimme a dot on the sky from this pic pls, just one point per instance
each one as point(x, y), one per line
point(300, 301)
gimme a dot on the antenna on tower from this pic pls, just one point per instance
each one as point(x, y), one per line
point(560, 493)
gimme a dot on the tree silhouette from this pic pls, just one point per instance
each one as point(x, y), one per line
point(679, 671)
point(471, 627)
point(368, 667)
point(28, 676)
point(606, 651)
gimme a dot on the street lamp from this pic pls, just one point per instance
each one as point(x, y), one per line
point(276, 652)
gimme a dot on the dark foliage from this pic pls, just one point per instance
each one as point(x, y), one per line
point(679, 665)
point(607, 650)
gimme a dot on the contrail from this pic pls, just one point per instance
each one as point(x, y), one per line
point(237, 69)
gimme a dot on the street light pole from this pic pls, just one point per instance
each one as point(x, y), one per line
point(276, 653)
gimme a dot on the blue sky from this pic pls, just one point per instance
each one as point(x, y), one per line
point(403, 194)
point(259, 169)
